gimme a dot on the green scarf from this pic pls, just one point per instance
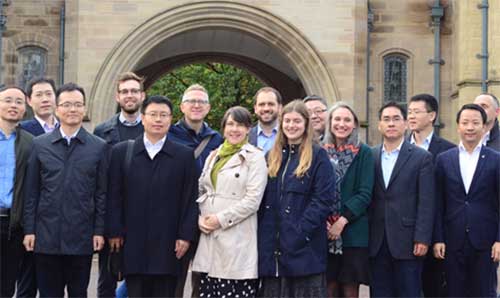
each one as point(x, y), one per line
point(224, 155)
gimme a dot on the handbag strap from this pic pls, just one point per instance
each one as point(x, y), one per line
point(201, 146)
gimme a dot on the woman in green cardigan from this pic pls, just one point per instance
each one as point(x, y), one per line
point(348, 225)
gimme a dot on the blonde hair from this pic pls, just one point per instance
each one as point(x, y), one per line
point(194, 87)
point(305, 149)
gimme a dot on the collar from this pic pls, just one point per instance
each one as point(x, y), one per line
point(148, 143)
point(427, 140)
point(395, 150)
point(3, 137)
point(63, 135)
point(461, 147)
point(259, 129)
point(125, 122)
point(43, 122)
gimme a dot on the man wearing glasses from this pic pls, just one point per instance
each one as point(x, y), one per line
point(317, 108)
point(15, 148)
point(125, 125)
point(192, 130)
point(422, 114)
point(66, 199)
point(152, 208)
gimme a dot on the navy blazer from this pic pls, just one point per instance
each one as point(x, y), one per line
point(404, 211)
point(437, 145)
point(252, 136)
point(32, 126)
point(473, 214)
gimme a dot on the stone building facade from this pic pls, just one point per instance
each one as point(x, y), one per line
point(299, 46)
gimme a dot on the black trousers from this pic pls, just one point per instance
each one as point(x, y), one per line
point(11, 250)
point(106, 284)
point(144, 285)
point(26, 281)
point(433, 277)
point(55, 272)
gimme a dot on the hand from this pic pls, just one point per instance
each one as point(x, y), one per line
point(495, 252)
point(212, 222)
point(335, 229)
point(29, 242)
point(181, 247)
point(420, 249)
point(98, 242)
point(439, 250)
point(203, 226)
point(115, 244)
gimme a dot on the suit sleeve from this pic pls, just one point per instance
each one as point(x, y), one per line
point(426, 201)
point(115, 199)
point(438, 235)
point(249, 204)
point(100, 193)
point(322, 196)
point(188, 225)
point(356, 205)
point(32, 193)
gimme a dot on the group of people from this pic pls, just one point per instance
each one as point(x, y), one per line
point(294, 206)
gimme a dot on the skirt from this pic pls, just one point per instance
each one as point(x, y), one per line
point(227, 288)
point(351, 267)
point(310, 286)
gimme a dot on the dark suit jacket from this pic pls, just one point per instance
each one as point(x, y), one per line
point(32, 126)
point(108, 130)
point(404, 211)
point(252, 136)
point(474, 214)
point(494, 141)
point(437, 145)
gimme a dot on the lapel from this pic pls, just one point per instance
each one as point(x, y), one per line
point(434, 145)
point(404, 155)
point(483, 154)
point(378, 167)
point(456, 167)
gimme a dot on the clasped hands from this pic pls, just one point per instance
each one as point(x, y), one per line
point(208, 223)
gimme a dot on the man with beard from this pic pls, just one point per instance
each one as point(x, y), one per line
point(125, 125)
point(267, 106)
point(317, 108)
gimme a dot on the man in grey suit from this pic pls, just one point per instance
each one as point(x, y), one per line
point(402, 210)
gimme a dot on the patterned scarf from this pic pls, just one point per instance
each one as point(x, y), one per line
point(341, 158)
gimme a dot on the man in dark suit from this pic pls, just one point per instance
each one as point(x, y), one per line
point(125, 125)
point(491, 106)
point(402, 209)
point(467, 227)
point(267, 106)
point(152, 204)
point(42, 99)
point(41, 94)
point(422, 114)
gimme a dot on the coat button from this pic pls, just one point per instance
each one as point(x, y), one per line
point(237, 175)
point(230, 222)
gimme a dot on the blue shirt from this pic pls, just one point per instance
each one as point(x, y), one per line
point(388, 160)
point(266, 142)
point(7, 169)
point(427, 142)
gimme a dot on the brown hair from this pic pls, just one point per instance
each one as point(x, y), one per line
point(268, 89)
point(127, 76)
point(305, 150)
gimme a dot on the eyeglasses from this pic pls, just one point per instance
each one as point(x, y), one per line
point(69, 105)
point(393, 119)
point(129, 91)
point(196, 101)
point(316, 112)
point(10, 100)
point(155, 115)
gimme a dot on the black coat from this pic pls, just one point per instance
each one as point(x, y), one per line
point(66, 193)
point(152, 205)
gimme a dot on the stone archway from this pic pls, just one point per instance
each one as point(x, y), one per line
point(286, 39)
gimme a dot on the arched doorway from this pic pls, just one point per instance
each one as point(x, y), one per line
point(235, 33)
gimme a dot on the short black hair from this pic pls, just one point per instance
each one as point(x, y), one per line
point(239, 114)
point(69, 87)
point(392, 104)
point(156, 99)
point(431, 104)
point(3, 88)
point(475, 107)
point(40, 80)
point(315, 97)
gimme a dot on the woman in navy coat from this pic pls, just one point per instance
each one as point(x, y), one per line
point(292, 240)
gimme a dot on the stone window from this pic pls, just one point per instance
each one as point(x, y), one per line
point(395, 77)
point(32, 63)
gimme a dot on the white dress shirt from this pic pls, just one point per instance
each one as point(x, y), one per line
point(388, 161)
point(153, 149)
point(425, 144)
point(66, 137)
point(125, 122)
point(46, 127)
point(468, 163)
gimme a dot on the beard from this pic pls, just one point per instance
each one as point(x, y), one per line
point(130, 110)
point(269, 120)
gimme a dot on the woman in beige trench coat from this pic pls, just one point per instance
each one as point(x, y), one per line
point(231, 188)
